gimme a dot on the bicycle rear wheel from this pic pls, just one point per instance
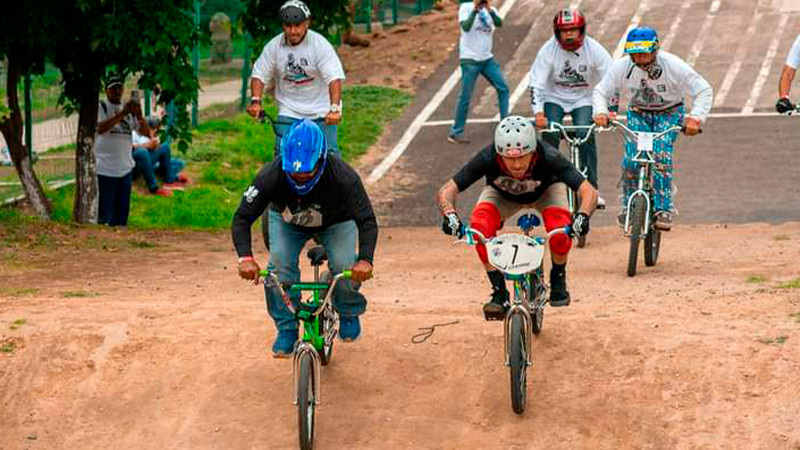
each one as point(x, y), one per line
point(637, 226)
point(652, 244)
point(537, 309)
point(306, 401)
point(518, 363)
point(326, 322)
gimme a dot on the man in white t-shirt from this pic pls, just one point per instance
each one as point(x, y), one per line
point(562, 77)
point(112, 148)
point(478, 21)
point(784, 104)
point(653, 82)
point(305, 72)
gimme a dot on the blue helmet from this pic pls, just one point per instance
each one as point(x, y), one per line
point(641, 40)
point(303, 149)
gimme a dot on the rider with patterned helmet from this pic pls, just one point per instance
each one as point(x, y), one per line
point(309, 192)
point(654, 82)
point(566, 70)
point(520, 173)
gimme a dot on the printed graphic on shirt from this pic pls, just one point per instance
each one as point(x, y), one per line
point(569, 77)
point(484, 22)
point(645, 97)
point(250, 194)
point(308, 216)
point(295, 71)
point(516, 187)
point(655, 71)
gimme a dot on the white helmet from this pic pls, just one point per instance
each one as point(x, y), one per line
point(515, 136)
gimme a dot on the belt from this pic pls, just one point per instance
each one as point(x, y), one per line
point(667, 110)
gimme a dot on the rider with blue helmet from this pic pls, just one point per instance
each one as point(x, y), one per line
point(654, 82)
point(309, 192)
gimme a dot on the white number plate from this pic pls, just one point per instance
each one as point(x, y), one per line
point(645, 142)
point(515, 254)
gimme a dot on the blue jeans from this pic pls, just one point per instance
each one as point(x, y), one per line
point(114, 199)
point(588, 151)
point(283, 127)
point(662, 148)
point(287, 242)
point(470, 70)
point(148, 162)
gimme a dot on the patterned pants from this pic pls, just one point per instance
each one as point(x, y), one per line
point(662, 149)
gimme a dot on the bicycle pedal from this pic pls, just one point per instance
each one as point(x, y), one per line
point(601, 207)
point(492, 316)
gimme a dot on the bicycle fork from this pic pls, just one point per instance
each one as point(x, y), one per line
point(518, 308)
point(641, 191)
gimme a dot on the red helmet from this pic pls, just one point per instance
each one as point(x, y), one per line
point(569, 19)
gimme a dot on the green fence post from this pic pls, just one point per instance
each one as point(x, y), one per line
point(245, 70)
point(147, 95)
point(394, 11)
point(369, 15)
point(196, 62)
point(28, 117)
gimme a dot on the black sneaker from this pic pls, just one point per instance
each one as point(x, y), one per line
point(621, 219)
point(495, 308)
point(663, 220)
point(559, 296)
point(457, 140)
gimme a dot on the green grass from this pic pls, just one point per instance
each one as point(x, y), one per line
point(7, 347)
point(225, 155)
point(79, 294)
point(782, 237)
point(777, 341)
point(796, 316)
point(17, 323)
point(756, 279)
point(19, 292)
point(136, 243)
point(792, 284)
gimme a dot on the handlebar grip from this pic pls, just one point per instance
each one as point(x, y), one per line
point(263, 273)
point(347, 274)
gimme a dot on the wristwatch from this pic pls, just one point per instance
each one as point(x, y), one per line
point(336, 108)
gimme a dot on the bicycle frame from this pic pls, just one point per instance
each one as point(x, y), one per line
point(645, 157)
point(310, 341)
point(520, 304)
point(574, 143)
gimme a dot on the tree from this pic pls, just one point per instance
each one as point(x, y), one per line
point(21, 43)
point(262, 19)
point(91, 38)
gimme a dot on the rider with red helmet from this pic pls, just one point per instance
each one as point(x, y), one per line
point(566, 69)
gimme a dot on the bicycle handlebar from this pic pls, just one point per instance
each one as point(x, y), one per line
point(635, 135)
point(556, 127)
point(469, 234)
point(305, 286)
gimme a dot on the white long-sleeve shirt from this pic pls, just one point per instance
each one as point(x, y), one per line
point(565, 77)
point(301, 74)
point(660, 88)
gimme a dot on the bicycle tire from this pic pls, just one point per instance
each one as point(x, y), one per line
point(537, 316)
point(637, 226)
point(518, 364)
point(306, 401)
point(652, 245)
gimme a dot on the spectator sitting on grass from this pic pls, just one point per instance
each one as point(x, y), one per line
point(152, 157)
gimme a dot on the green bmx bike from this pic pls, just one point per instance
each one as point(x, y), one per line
point(319, 325)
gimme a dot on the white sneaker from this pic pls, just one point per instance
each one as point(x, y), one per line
point(601, 203)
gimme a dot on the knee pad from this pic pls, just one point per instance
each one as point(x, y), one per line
point(486, 219)
point(557, 217)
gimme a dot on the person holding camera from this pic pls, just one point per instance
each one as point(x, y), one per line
point(478, 20)
point(115, 124)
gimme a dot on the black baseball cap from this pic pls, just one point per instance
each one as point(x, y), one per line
point(114, 80)
point(294, 12)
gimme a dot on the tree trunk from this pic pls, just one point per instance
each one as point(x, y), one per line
point(86, 191)
point(12, 132)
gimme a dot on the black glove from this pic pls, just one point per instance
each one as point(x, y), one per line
point(452, 225)
point(580, 224)
point(784, 105)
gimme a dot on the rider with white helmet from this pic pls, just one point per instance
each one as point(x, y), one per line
point(520, 172)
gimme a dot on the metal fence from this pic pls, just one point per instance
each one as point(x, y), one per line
point(388, 12)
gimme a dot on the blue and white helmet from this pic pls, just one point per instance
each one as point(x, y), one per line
point(641, 40)
point(303, 149)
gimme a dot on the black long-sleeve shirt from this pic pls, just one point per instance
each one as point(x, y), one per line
point(337, 197)
point(551, 167)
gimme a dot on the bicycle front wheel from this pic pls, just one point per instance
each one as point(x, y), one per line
point(637, 227)
point(306, 401)
point(652, 244)
point(518, 363)
point(326, 322)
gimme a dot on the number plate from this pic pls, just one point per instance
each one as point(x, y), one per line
point(645, 141)
point(515, 254)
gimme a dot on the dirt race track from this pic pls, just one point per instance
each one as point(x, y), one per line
point(131, 347)
point(698, 352)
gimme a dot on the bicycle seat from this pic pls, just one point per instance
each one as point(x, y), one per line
point(317, 255)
